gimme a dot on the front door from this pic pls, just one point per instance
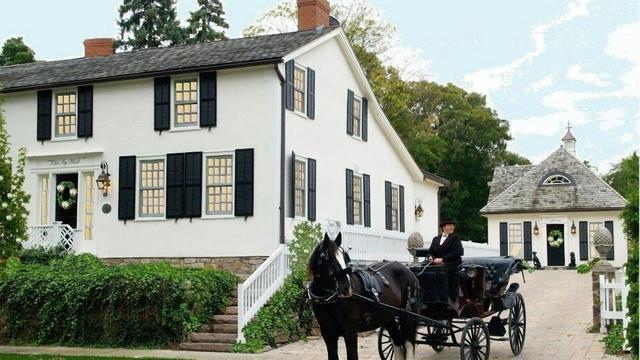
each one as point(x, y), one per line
point(555, 255)
point(66, 198)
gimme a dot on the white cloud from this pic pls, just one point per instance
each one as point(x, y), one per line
point(575, 72)
point(408, 61)
point(622, 44)
point(547, 125)
point(494, 78)
point(611, 119)
point(626, 138)
point(543, 83)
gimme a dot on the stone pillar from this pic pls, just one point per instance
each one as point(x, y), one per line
point(609, 272)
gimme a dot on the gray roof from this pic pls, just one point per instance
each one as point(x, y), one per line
point(435, 178)
point(588, 191)
point(568, 136)
point(149, 62)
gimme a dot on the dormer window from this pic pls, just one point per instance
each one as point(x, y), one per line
point(557, 179)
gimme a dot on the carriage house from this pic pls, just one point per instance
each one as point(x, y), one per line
point(213, 152)
point(553, 209)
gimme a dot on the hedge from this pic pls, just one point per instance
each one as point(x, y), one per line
point(77, 300)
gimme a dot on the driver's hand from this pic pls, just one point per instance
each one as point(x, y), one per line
point(437, 261)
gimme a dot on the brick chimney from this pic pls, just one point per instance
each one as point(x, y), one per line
point(98, 47)
point(313, 13)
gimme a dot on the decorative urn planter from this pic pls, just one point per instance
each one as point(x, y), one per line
point(603, 242)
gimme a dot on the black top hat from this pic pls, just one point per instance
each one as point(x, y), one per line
point(446, 221)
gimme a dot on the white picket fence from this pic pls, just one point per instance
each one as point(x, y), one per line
point(610, 310)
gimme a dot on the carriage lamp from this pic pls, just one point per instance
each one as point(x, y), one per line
point(573, 227)
point(536, 230)
point(104, 179)
point(419, 210)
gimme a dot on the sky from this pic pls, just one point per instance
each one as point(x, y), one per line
point(540, 63)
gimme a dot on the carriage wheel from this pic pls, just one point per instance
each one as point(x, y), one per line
point(517, 325)
point(439, 331)
point(474, 344)
point(385, 345)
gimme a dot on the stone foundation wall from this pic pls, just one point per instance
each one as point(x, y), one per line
point(242, 265)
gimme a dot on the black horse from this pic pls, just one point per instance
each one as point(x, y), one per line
point(343, 307)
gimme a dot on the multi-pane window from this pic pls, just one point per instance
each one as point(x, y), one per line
point(556, 180)
point(593, 227)
point(220, 185)
point(394, 207)
point(515, 239)
point(300, 191)
point(299, 88)
point(357, 199)
point(88, 207)
point(357, 117)
point(151, 188)
point(186, 102)
point(44, 200)
point(66, 114)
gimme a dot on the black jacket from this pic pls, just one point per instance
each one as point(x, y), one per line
point(451, 251)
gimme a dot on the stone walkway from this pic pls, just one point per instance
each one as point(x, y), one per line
point(558, 307)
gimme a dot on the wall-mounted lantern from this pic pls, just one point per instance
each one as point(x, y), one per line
point(104, 179)
point(419, 210)
point(536, 230)
point(573, 227)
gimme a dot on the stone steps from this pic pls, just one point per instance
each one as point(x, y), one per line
point(219, 333)
point(213, 347)
point(216, 338)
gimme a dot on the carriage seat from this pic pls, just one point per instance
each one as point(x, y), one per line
point(498, 269)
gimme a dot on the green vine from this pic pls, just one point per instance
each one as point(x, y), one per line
point(280, 318)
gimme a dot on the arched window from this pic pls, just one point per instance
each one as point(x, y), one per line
point(557, 179)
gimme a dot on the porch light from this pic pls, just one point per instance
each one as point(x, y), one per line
point(104, 179)
point(573, 227)
point(536, 230)
point(419, 210)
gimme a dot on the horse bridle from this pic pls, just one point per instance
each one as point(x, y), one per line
point(331, 296)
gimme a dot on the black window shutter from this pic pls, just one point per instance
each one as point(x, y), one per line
point(366, 186)
point(208, 99)
point(288, 72)
point(292, 202)
point(311, 189)
point(44, 115)
point(311, 93)
point(175, 186)
point(85, 111)
point(583, 233)
point(365, 119)
point(504, 244)
point(127, 188)
point(192, 184)
point(349, 191)
point(244, 182)
point(349, 112)
point(162, 103)
point(401, 206)
point(609, 226)
point(387, 206)
point(528, 254)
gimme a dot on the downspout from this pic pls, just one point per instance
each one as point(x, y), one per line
point(282, 147)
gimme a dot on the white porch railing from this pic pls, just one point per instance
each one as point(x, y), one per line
point(52, 235)
point(370, 246)
point(610, 309)
point(261, 285)
point(472, 249)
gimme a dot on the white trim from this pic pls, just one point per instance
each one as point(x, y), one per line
point(54, 111)
point(204, 194)
point(50, 155)
point(361, 176)
point(302, 113)
point(359, 136)
point(139, 160)
point(306, 189)
point(172, 112)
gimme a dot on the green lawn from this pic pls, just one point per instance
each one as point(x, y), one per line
point(63, 357)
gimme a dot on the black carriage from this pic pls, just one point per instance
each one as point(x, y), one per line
point(482, 288)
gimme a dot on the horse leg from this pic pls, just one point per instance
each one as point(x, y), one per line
point(398, 341)
point(331, 342)
point(351, 343)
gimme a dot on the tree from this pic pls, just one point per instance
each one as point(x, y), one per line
point(624, 176)
point(13, 213)
point(15, 51)
point(148, 23)
point(207, 23)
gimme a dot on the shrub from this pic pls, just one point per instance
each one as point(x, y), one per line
point(41, 255)
point(287, 313)
point(77, 300)
point(632, 298)
point(614, 341)
point(585, 268)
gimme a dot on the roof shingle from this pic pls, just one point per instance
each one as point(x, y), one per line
point(148, 62)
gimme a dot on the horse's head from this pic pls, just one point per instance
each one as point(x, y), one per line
point(327, 266)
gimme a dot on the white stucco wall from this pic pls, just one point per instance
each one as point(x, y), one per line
point(326, 140)
point(248, 117)
point(571, 241)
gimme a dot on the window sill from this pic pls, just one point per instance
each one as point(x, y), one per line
point(301, 114)
point(185, 128)
point(356, 137)
point(151, 219)
point(217, 217)
point(65, 138)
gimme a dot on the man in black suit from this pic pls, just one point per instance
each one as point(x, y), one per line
point(446, 250)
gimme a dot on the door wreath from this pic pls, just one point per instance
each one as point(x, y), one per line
point(555, 238)
point(66, 199)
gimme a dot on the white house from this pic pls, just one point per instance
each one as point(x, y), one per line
point(561, 196)
point(214, 151)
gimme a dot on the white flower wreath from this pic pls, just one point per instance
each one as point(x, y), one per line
point(68, 202)
point(555, 239)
